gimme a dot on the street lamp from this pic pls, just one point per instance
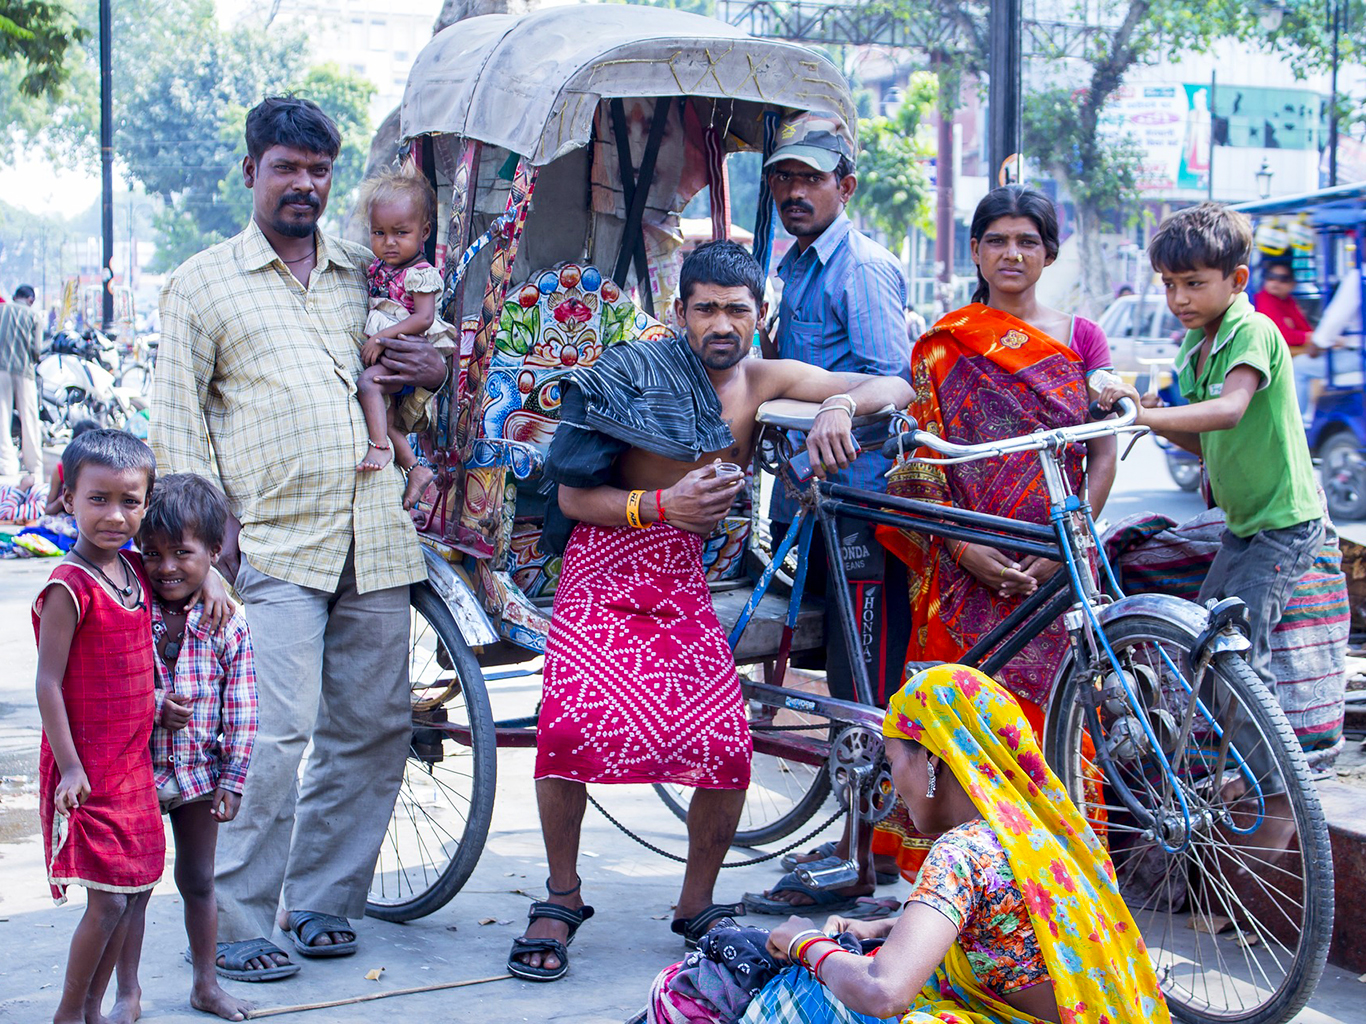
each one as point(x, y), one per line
point(1264, 179)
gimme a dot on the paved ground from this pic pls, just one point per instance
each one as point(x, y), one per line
point(614, 959)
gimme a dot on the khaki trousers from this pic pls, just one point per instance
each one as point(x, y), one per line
point(20, 390)
point(331, 668)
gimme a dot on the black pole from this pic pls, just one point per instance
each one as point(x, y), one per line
point(1333, 102)
point(107, 162)
point(1005, 67)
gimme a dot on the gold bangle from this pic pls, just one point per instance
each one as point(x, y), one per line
point(633, 509)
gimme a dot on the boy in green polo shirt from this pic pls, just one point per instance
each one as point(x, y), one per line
point(1243, 419)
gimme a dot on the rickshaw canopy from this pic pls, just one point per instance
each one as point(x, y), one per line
point(531, 84)
point(1341, 206)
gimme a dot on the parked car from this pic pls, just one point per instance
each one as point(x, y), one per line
point(1142, 332)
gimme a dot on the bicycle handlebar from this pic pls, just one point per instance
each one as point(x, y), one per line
point(899, 444)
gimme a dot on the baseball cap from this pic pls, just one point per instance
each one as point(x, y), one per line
point(817, 138)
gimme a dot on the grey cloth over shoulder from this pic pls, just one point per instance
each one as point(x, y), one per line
point(655, 395)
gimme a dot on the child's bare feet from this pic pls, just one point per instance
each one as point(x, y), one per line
point(211, 998)
point(127, 1008)
point(379, 456)
point(419, 479)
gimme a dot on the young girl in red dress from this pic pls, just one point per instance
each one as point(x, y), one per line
point(98, 804)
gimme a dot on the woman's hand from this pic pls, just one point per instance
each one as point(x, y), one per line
point(1038, 568)
point(72, 791)
point(701, 499)
point(995, 571)
point(834, 925)
point(781, 937)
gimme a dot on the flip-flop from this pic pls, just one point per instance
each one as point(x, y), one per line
point(523, 945)
point(236, 954)
point(823, 899)
point(304, 926)
point(872, 908)
point(693, 928)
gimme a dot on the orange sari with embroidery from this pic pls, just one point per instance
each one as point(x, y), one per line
point(980, 375)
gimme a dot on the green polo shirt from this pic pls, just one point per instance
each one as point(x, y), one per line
point(1260, 470)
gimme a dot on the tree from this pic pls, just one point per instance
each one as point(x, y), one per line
point(34, 39)
point(1066, 126)
point(894, 191)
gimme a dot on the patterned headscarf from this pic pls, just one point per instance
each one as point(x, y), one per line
point(1096, 958)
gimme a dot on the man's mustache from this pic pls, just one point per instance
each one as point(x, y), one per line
point(797, 204)
point(729, 336)
point(307, 198)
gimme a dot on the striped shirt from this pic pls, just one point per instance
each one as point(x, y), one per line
point(843, 309)
point(21, 332)
point(218, 675)
point(255, 388)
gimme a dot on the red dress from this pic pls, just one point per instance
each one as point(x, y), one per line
point(114, 841)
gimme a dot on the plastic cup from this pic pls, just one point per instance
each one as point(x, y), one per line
point(727, 470)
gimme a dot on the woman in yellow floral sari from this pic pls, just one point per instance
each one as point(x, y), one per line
point(1015, 918)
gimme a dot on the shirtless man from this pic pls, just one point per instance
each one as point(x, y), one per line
point(640, 685)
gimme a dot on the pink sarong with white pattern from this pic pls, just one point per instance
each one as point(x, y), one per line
point(640, 684)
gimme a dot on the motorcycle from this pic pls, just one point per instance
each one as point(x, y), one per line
point(76, 381)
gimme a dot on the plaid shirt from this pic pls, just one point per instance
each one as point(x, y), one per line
point(256, 388)
point(218, 674)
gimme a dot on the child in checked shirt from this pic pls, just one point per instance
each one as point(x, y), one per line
point(206, 709)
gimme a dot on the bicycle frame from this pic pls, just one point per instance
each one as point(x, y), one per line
point(1074, 591)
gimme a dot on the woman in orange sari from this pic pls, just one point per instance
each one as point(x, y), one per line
point(1001, 366)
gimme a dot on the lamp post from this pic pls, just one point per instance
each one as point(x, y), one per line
point(1264, 174)
point(106, 164)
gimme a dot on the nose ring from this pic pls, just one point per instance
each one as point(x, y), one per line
point(1019, 257)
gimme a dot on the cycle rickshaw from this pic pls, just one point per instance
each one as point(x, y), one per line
point(560, 145)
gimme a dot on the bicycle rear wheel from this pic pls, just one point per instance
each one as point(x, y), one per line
point(784, 793)
point(441, 817)
point(1238, 920)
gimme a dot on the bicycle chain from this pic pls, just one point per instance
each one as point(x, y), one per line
point(735, 864)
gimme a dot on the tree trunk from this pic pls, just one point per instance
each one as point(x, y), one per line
point(1095, 277)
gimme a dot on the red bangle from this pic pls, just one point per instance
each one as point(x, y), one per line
point(659, 505)
point(816, 970)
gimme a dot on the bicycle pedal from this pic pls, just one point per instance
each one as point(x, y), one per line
point(837, 876)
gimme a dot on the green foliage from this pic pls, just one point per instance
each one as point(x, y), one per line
point(894, 191)
point(35, 36)
point(182, 87)
point(1108, 181)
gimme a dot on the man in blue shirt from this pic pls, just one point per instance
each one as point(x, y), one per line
point(842, 308)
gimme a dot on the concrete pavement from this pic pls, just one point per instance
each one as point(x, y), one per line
point(614, 959)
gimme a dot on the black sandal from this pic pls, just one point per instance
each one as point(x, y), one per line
point(523, 945)
point(693, 928)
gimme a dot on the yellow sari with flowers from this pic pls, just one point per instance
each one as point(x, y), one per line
point(1095, 955)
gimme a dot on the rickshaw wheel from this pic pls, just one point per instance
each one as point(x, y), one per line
point(783, 794)
point(441, 817)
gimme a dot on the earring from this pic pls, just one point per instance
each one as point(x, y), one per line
point(929, 790)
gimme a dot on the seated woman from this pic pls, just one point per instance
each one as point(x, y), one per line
point(1015, 918)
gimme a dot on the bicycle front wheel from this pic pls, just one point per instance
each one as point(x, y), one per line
point(441, 818)
point(1233, 892)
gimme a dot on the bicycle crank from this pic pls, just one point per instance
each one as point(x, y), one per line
point(862, 783)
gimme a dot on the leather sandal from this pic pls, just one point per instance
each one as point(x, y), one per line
point(523, 945)
point(693, 928)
